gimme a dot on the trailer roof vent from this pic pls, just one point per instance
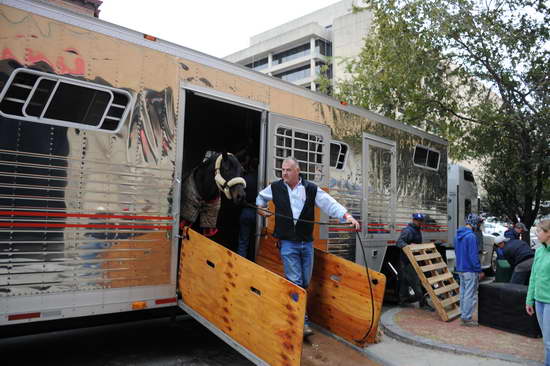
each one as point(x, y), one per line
point(41, 97)
point(338, 154)
point(426, 158)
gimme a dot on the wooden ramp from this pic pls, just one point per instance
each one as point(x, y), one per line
point(260, 310)
point(436, 279)
point(339, 296)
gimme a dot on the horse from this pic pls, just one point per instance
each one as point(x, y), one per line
point(201, 189)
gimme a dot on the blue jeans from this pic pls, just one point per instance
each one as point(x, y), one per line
point(543, 317)
point(297, 260)
point(469, 282)
point(247, 225)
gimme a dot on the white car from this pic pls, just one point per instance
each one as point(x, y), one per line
point(491, 228)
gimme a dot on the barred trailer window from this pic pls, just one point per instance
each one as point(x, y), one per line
point(306, 147)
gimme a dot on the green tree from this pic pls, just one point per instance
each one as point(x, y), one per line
point(476, 72)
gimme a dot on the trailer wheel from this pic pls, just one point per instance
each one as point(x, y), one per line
point(493, 267)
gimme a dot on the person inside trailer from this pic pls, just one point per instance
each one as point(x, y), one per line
point(247, 219)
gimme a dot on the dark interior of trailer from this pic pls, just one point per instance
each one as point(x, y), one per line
point(215, 125)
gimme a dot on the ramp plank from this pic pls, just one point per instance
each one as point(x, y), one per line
point(423, 257)
point(431, 267)
point(439, 278)
point(244, 300)
point(444, 289)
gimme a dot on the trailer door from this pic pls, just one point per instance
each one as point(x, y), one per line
point(380, 191)
point(309, 143)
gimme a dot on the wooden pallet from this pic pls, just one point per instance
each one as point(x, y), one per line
point(436, 279)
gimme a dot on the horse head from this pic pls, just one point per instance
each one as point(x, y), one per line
point(229, 179)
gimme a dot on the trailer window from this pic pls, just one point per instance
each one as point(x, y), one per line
point(306, 147)
point(467, 207)
point(469, 177)
point(426, 158)
point(57, 100)
point(338, 154)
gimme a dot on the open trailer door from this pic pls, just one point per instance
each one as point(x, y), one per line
point(257, 312)
point(345, 298)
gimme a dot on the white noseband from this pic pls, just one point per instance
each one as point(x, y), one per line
point(222, 184)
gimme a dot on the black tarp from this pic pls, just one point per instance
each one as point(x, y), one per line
point(502, 306)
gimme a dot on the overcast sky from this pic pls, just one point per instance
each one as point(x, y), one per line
point(218, 27)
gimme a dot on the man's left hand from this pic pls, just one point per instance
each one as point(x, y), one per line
point(352, 221)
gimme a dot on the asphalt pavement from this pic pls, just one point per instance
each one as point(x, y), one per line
point(150, 342)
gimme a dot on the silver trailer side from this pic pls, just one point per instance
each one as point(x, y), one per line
point(90, 212)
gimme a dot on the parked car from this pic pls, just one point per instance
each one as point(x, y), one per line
point(494, 227)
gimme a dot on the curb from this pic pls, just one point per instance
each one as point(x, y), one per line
point(394, 331)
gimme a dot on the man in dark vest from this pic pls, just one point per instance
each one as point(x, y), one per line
point(295, 197)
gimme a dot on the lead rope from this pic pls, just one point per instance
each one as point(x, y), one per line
point(362, 251)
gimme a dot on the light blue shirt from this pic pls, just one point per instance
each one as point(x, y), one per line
point(298, 198)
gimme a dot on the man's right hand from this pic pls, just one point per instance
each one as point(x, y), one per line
point(529, 309)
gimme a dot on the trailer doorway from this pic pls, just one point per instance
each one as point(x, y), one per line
point(252, 309)
point(214, 123)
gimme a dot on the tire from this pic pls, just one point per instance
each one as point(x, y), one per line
point(492, 270)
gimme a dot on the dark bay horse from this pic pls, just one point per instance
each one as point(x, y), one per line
point(200, 191)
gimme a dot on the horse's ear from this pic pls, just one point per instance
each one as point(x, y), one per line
point(224, 155)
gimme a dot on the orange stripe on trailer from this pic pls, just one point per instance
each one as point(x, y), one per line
point(165, 301)
point(423, 225)
point(94, 216)
point(23, 316)
point(94, 226)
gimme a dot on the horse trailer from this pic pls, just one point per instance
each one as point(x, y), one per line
point(99, 125)
point(463, 198)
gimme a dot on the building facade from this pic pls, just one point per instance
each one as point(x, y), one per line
point(88, 7)
point(300, 50)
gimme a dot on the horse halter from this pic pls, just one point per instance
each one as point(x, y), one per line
point(222, 184)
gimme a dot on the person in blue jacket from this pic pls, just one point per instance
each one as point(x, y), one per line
point(515, 232)
point(468, 268)
point(411, 234)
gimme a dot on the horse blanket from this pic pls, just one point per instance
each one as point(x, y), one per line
point(193, 205)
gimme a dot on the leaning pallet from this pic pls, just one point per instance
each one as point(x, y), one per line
point(436, 279)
